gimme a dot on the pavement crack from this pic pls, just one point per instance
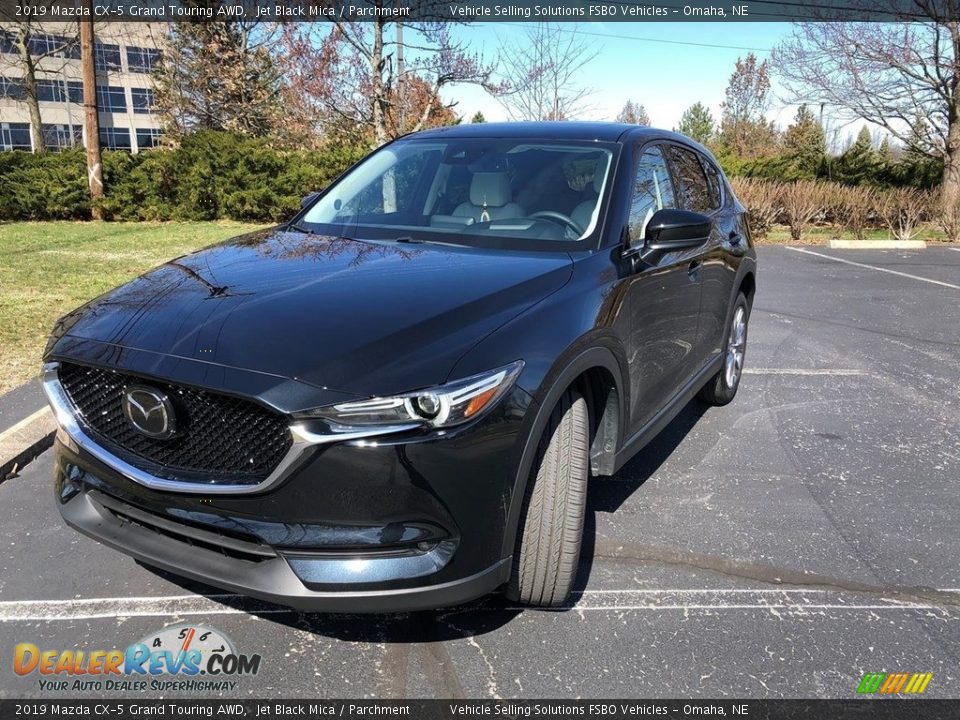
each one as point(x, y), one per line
point(492, 688)
point(395, 662)
point(615, 550)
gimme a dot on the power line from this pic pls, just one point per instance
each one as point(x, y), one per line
point(644, 39)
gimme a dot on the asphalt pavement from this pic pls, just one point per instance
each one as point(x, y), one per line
point(781, 546)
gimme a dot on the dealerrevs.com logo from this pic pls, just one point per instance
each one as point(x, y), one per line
point(181, 658)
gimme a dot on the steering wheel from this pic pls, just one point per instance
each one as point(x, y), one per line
point(559, 217)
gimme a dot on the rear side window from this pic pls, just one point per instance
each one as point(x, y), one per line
point(714, 181)
point(691, 181)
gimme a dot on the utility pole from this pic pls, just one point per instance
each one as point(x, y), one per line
point(91, 120)
point(401, 80)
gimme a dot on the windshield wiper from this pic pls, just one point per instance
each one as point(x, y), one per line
point(409, 240)
point(301, 228)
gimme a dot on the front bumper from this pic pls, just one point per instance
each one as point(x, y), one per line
point(395, 525)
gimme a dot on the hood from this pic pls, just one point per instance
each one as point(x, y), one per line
point(364, 318)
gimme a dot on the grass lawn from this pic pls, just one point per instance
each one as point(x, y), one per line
point(817, 235)
point(49, 268)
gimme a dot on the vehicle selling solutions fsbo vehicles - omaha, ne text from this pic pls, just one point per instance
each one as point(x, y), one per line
point(396, 400)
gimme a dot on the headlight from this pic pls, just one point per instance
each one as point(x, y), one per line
point(443, 406)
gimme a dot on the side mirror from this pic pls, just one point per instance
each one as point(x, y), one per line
point(670, 230)
point(308, 199)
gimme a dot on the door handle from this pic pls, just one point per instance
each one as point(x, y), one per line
point(735, 237)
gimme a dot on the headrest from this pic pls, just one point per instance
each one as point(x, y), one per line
point(599, 171)
point(490, 188)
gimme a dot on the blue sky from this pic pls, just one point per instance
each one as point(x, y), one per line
point(666, 78)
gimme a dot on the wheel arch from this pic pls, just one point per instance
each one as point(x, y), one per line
point(595, 373)
point(748, 285)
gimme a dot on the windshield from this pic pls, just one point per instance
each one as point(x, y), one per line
point(470, 190)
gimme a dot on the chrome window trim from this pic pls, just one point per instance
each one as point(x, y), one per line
point(72, 424)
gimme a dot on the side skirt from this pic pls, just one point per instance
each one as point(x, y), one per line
point(658, 422)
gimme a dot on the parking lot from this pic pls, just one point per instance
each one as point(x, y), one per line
point(781, 546)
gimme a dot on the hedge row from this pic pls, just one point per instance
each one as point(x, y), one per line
point(212, 175)
point(801, 204)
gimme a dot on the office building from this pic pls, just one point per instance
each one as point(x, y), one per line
point(125, 54)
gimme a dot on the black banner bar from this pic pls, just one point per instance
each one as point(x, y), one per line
point(874, 709)
point(482, 10)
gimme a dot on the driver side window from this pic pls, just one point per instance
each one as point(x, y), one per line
point(652, 191)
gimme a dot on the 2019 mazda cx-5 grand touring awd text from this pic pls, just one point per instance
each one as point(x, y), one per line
point(396, 400)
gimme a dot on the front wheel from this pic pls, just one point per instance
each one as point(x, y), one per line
point(723, 386)
point(547, 555)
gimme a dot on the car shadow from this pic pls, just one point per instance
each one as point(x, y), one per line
point(605, 495)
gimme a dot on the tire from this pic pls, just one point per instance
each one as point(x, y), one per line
point(722, 387)
point(547, 555)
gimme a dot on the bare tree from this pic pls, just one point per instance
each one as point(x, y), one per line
point(541, 72)
point(763, 198)
point(349, 72)
point(744, 127)
point(803, 201)
point(32, 47)
point(633, 113)
point(888, 74)
point(948, 217)
point(903, 209)
point(853, 207)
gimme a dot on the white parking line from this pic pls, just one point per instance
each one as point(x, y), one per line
point(10, 431)
point(878, 269)
point(804, 371)
point(792, 601)
point(96, 608)
point(773, 600)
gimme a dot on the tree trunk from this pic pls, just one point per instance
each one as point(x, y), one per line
point(30, 89)
point(379, 100)
point(950, 188)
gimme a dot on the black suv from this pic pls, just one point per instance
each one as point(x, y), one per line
point(396, 400)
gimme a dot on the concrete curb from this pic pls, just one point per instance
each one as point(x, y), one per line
point(24, 441)
point(877, 244)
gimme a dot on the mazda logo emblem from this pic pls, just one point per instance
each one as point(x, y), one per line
point(149, 411)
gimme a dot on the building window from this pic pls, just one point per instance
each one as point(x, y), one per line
point(15, 136)
point(115, 138)
point(147, 138)
point(8, 42)
point(59, 137)
point(107, 57)
point(142, 100)
point(142, 60)
point(11, 88)
point(111, 99)
point(75, 92)
point(50, 91)
point(53, 45)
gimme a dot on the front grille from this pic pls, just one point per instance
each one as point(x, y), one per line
point(220, 439)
